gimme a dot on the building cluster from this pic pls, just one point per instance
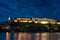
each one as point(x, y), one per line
point(29, 24)
point(37, 20)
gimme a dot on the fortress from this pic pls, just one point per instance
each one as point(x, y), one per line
point(31, 25)
point(36, 20)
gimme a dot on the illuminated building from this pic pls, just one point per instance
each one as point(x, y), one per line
point(22, 20)
point(36, 20)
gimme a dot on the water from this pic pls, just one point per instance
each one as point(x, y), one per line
point(29, 36)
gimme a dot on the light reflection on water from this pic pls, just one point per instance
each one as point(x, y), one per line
point(32, 36)
point(7, 36)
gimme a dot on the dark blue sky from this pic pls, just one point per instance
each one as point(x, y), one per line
point(29, 8)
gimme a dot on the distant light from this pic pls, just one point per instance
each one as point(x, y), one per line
point(58, 22)
point(23, 21)
point(35, 21)
point(44, 22)
point(29, 21)
point(15, 20)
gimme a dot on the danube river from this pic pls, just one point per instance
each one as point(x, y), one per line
point(29, 36)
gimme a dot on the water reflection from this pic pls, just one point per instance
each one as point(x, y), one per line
point(32, 36)
point(53, 36)
point(20, 37)
point(37, 36)
point(7, 36)
point(44, 36)
point(15, 36)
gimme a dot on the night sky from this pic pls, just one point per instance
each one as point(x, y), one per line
point(29, 8)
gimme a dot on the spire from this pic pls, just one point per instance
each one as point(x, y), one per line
point(9, 18)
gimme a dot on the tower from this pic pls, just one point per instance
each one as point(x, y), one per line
point(9, 19)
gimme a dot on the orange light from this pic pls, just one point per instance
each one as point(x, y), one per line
point(23, 21)
point(52, 22)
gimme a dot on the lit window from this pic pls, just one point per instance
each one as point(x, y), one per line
point(36, 22)
point(52, 22)
point(58, 22)
point(44, 22)
point(15, 20)
point(29, 21)
point(23, 21)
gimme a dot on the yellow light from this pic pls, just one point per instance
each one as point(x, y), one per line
point(58, 22)
point(52, 22)
point(36, 22)
point(15, 20)
point(44, 22)
point(29, 21)
point(23, 21)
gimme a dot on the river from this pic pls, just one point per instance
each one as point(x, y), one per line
point(29, 36)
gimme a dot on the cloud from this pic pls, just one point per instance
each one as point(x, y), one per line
point(29, 8)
